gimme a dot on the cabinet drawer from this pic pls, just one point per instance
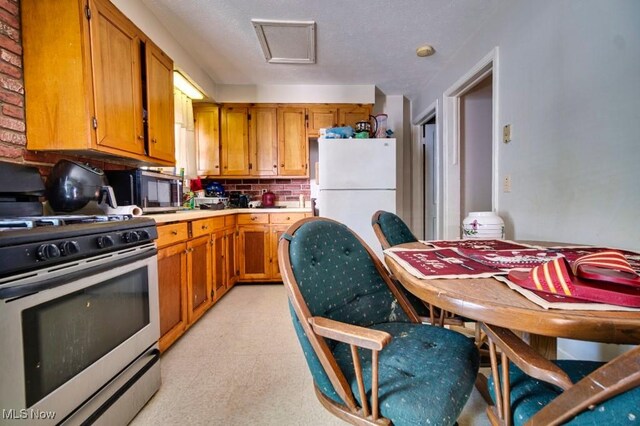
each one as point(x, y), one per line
point(169, 234)
point(230, 220)
point(218, 223)
point(286, 218)
point(250, 218)
point(201, 227)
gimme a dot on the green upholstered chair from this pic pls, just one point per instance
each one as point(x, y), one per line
point(371, 359)
point(391, 231)
point(543, 392)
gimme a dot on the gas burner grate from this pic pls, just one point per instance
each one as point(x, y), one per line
point(29, 222)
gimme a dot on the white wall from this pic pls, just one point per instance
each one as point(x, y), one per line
point(144, 19)
point(569, 84)
point(398, 110)
point(310, 93)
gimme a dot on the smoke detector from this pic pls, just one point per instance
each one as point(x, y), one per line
point(426, 50)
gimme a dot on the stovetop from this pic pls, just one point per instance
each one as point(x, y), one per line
point(29, 243)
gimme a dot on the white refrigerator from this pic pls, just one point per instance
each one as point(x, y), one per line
point(357, 177)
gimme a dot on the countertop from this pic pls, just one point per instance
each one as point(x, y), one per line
point(200, 214)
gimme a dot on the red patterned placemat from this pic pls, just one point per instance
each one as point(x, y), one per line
point(509, 259)
point(550, 301)
point(440, 263)
point(479, 244)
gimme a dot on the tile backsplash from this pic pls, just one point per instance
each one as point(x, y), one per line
point(285, 189)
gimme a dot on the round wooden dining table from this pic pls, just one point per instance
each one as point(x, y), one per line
point(490, 301)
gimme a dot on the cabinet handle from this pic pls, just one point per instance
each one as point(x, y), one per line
point(253, 218)
point(174, 232)
point(282, 165)
point(205, 227)
point(217, 166)
point(275, 166)
point(154, 140)
point(141, 137)
point(288, 218)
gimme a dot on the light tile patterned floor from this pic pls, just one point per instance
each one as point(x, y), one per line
point(241, 364)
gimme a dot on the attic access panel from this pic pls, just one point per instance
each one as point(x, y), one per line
point(287, 42)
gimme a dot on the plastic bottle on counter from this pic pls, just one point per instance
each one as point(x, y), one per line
point(301, 201)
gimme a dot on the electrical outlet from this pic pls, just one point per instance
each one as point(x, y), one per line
point(506, 133)
point(506, 184)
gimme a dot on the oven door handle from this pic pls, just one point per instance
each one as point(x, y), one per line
point(21, 290)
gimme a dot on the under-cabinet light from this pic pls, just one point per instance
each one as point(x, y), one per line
point(186, 87)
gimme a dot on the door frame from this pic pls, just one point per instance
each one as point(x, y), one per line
point(451, 170)
point(419, 189)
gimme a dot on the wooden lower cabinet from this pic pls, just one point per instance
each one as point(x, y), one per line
point(199, 290)
point(276, 232)
point(172, 293)
point(254, 252)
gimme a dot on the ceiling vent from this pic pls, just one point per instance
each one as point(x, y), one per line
point(287, 42)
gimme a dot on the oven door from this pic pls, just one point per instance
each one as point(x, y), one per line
point(67, 331)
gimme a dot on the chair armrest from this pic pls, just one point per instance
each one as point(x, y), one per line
point(527, 359)
point(351, 334)
point(618, 376)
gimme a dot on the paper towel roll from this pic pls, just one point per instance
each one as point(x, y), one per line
point(132, 210)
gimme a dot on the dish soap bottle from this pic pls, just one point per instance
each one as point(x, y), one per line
point(301, 204)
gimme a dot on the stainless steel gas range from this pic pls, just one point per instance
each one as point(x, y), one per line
point(78, 319)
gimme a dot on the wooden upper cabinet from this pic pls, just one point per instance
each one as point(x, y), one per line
point(293, 151)
point(321, 117)
point(235, 141)
point(350, 115)
point(263, 141)
point(207, 132)
point(84, 82)
point(115, 51)
point(160, 111)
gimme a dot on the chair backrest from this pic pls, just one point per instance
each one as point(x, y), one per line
point(391, 230)
point(330, 272)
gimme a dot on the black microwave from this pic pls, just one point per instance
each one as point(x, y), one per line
point(151, 191)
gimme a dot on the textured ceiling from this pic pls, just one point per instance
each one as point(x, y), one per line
point(358, 41)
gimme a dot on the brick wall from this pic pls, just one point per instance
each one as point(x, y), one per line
point(12, 122)
point(285, 189)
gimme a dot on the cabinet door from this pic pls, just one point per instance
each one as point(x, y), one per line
point(349, 116)
point(199, 282)
point(218, 256)
point(172, 293)
point(263, 142)
point(254, 252)
point(115, 52)
point(276, 232)
point(235, 141)
point(292, 142)
point(207, 129)
point(160, 104)
point(231, 264)
point(321, 117)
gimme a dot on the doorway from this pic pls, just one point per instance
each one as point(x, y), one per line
point(430, 179)
point(469, 172)
point(476, 151)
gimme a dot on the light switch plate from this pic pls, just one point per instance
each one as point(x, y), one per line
point(506, 133)
point(506, 184)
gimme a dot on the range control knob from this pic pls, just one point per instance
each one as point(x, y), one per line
point(131, 237)
point(105, 241)
point(48, 251)
point(144, 235)
point(68, 248)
